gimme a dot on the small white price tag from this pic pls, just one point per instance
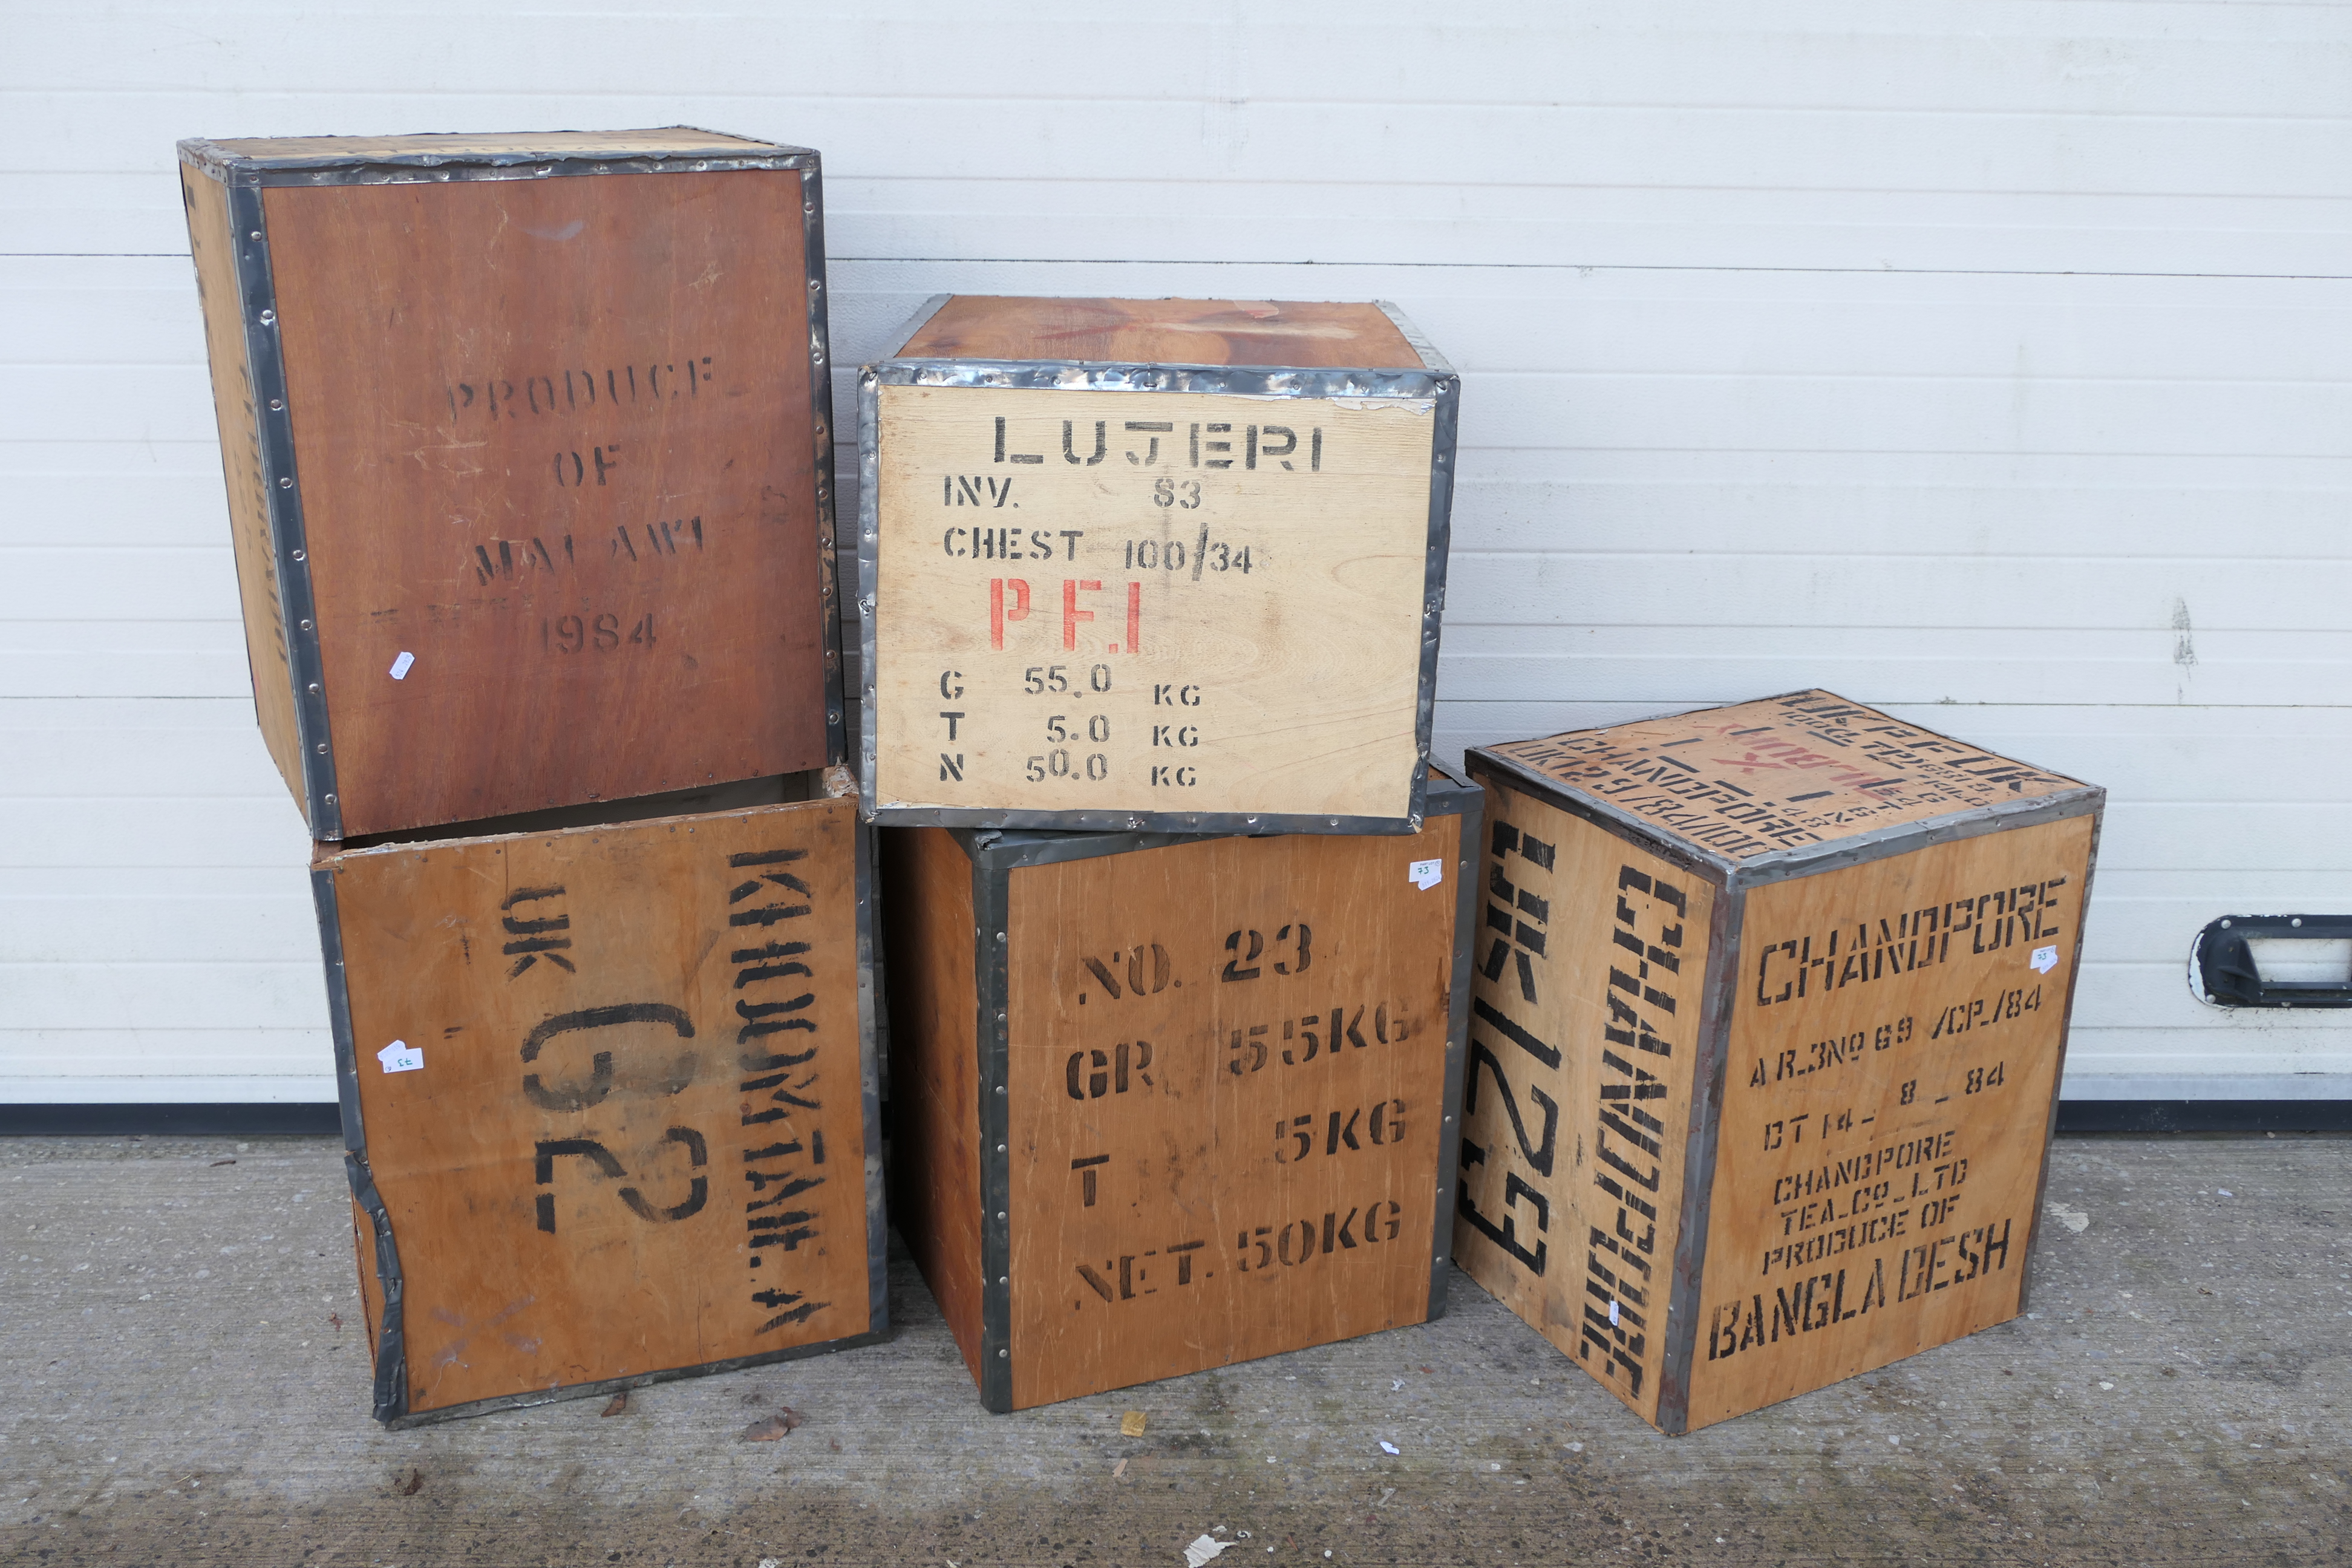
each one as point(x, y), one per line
point(1426, 874)
point(2045, 958)
point(402, 1057)
point(401, 665)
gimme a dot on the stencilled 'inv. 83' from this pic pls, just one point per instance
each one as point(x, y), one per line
point(1876, 1002)
point(1097, 606)
point(624, 1132)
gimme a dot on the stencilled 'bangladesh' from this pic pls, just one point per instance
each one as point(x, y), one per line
point(1771, 1014)
point(1149, 595)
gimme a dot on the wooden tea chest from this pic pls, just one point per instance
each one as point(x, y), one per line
point(1165, 1103)
point(528, 443)
point(1152, 564)
point(1770, 1013)
point(609, 1094)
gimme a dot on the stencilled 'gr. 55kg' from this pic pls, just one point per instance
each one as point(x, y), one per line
point(1109, 556)
point(1764, 1055)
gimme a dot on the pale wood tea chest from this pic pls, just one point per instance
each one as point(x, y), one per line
point(609, 1095)
point(528, 443)
point(1162, 1103)
point(1152, 564)
point(1770, 1006)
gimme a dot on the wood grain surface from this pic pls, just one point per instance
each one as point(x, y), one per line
point(935, 1068)
point(1164, 332)
point(674, 139)
point(554, 443)
point(637, 1140)
point(1896, 1036)
point(1125, 625)
point(215, 248)
point(1226, 1082)
point(1806, 768)
point(1577, 1112)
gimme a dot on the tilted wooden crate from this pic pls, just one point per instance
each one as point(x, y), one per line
point(1165, 1103)
point(609, 1093)
point(1153, 564)
point(1770, 1009)
point(529, 450)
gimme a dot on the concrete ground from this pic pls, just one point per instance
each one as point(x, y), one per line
point(184, 1384)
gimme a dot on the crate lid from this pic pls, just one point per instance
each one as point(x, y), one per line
point(1307, 335)
point(461, 149)
point(1780, 773)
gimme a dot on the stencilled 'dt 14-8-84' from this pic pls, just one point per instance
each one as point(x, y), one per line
point(627, 1130)
point(1765, 1043)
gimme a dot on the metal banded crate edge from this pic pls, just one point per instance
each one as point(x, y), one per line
point(1166, 622)
point(366, 662)
point(623, 1073)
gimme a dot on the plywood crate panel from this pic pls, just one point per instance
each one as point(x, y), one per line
point(528, 443)
point(1153, 564)
point(1769, 1014)
point(610, 1098)
point(1161, 1104)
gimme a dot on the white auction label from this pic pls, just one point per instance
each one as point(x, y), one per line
point(402, 1057)
point(1425, 873)
point(2045, 958)
point(401, 665)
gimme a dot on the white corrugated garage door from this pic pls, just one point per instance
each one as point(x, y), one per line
point(1984, 362)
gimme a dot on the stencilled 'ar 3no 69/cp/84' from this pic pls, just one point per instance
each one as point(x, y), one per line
point(1770, 1006)
point(1165, 564)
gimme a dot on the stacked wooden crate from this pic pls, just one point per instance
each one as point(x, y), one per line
point(528, 442)
point(1766, 1046)
point(1179, 912)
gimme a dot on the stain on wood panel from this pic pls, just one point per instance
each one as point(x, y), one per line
point(371, 1288)
point(1226, 1085)
point(1301, 334)
point(1102, 601)
point(557, 469)
point(934, 1070)
point(636, 1139)
point(674, 140)
point(256, 554)
point(1577, 1106)
point(1780, 773)
point(1895, 1042)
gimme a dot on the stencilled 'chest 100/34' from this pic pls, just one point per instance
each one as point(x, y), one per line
point(1770, 1008)
point(1186, 1102)
point(1170, 565)
point(528, 443)
point(610, 1098)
